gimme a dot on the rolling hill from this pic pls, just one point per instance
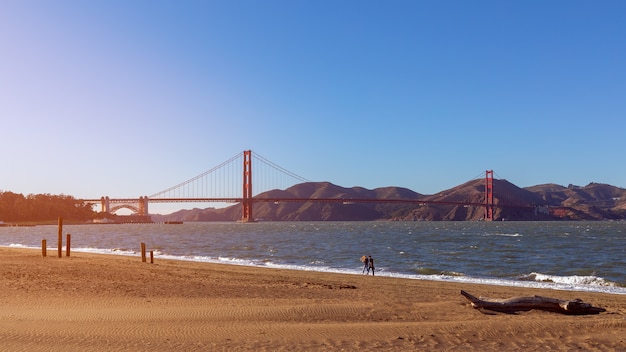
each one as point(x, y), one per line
point(542, 202)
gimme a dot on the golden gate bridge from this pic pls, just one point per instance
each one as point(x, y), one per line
point(222, 184)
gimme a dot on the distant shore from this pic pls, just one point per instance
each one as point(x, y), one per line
point(103, 302)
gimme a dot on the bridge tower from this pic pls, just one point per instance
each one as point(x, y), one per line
point(246, 204)
point(489, 195)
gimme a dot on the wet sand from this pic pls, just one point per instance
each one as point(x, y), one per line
point(93, 302)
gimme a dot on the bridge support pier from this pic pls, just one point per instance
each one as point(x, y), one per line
point(105, 205)
point(143, 206)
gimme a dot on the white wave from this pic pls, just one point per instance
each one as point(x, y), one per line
point(504, 234)
point(571, 280)
point(117, 251)
point(17, 245)
point(235, 261)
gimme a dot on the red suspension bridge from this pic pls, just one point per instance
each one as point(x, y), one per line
point(221, 185)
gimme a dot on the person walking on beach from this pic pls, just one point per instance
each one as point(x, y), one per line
point(366, 266)
point(370, 261)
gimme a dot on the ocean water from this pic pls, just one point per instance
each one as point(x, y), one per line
point(577, 256)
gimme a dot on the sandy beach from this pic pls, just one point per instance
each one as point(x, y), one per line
point(93, 302)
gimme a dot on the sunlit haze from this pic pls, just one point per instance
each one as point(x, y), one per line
point(127, 98)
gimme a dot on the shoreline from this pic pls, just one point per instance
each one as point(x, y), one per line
point(101, 302)
point(548, 283)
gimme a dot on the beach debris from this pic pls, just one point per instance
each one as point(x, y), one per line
point(517, 304)
point(329, 286)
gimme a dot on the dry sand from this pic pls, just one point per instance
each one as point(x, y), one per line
point(114, 303)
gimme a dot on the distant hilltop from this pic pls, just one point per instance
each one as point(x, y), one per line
point(594, 201)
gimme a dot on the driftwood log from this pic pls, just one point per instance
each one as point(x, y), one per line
point(517, 304)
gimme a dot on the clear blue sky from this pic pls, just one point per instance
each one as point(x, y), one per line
point(127, 98)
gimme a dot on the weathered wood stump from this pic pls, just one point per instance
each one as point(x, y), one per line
point(517, 304)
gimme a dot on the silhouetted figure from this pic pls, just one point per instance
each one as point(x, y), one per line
point(370, 262)
point(366, 265)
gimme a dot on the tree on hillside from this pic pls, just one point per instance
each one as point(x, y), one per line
point(41, 207)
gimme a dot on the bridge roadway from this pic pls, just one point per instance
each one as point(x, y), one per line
point(303, 200)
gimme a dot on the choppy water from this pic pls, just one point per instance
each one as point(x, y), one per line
point(585, 256)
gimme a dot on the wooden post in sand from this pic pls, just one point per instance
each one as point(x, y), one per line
point(151, 257)
point(143, 252)
point(60, 244)
point(44, 249)
point(67, 244)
